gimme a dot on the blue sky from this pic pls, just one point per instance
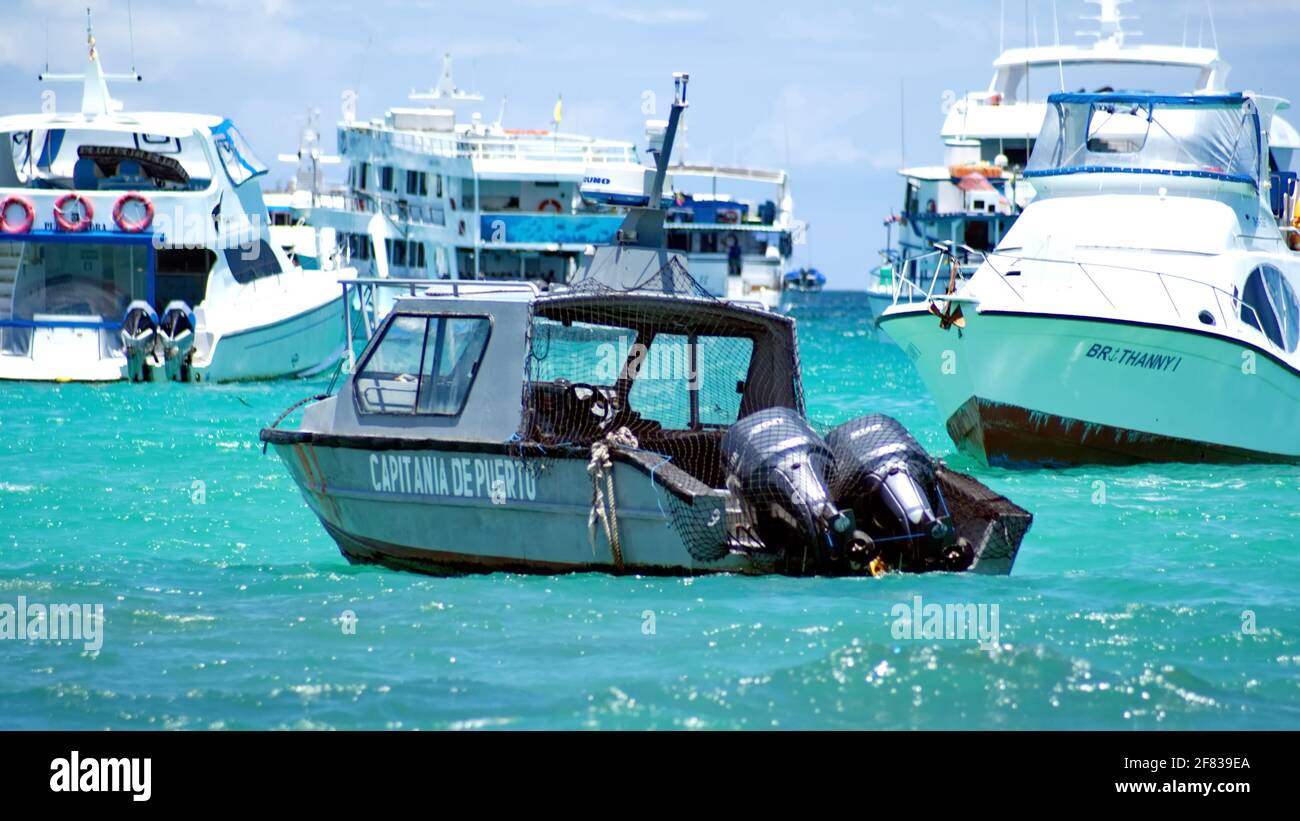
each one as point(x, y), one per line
point(812, 86)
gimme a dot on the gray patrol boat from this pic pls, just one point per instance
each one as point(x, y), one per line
point(628, 423)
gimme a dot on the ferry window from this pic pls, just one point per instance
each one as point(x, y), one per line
point(1269, 304)
point(365, 176)
point(181, 273)
point(398, 250)
point(413, 182)
point(386, 179)
point(158, 144)
point(422, 365)
point(251, 263)
point(424, 184)
point(439, 186)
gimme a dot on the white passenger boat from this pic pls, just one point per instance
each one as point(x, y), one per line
point(136, 246)
point(434, 190)
point(1142, 308)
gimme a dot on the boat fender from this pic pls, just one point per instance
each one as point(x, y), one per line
point(65, 224)
point(550, 205)
point(21, 226)
point(129, 225)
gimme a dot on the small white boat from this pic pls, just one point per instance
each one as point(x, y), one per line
point(1143, 307)
point(137, 246)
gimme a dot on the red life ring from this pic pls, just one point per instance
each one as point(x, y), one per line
point(127, 225)
point(87, 213)
point(22, 226)
point(552, 204)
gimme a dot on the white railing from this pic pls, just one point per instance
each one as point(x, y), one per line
point(523, 147)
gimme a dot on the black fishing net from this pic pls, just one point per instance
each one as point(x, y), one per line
point(703, 398)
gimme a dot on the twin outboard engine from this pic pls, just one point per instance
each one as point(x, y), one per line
point(139, 335)
point(864, 500)
point(887, 479)
point(176, 333)
point(776, 465)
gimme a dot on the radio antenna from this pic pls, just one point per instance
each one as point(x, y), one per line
point(130, 33)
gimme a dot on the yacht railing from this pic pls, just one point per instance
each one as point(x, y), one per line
point(1098, 275)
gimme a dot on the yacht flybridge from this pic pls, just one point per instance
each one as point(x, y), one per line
point(971, 200)
point(136, 246)
point(1142, 308)
point(628, 422)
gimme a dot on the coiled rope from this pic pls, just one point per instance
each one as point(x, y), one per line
point(603, 504)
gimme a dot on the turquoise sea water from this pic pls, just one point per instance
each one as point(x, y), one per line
point(223, 596)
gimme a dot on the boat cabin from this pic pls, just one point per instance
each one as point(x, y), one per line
point(504, 363)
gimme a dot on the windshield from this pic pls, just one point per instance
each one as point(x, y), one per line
point(105, 160)
point(1213, 137)
point(236, 155)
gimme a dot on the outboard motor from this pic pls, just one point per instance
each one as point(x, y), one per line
point(176, 331)
point(888, 480)
point(139, 335)
point(776, 466)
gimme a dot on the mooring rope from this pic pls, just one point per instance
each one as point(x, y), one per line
point(604, 506)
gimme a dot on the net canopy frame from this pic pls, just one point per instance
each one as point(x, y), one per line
point(1218, 137)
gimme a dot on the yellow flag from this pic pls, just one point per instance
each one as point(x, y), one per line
point(558, 114)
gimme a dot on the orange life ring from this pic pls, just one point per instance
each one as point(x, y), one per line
point(127, 225)
point(551, 204)
point(87, 212)
point(22, 226)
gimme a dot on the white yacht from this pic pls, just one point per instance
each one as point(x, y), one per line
point(1144, 305)
point(136, 246)
point(970, 201)
point(432, 195)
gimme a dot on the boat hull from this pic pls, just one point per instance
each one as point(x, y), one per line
point(454, 509)
point(1023, 389)
point(301, 345)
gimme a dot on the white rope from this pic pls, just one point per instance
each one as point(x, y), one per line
point(603, 504)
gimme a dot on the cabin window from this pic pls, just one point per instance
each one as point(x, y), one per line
point(252, 262)
point(439, 186)
point(417, 183)
point(688, 383)
point(422, 365)
point(1269, 304)
point(364, 177)
point(386, 179)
